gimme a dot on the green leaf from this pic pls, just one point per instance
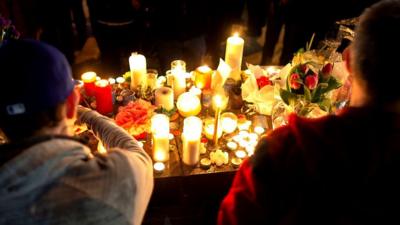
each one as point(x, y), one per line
point(287, 96)
point(325, 104)
point(307, 94)
point(317, 92)
point(332, 84)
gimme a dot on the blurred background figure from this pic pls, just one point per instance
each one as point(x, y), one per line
point(117, 30)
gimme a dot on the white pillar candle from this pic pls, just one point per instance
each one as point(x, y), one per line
point(164, 97)
point(137, 65)
point(160, 130)
point(191, 137)
point(234, 54)
point(188, 104)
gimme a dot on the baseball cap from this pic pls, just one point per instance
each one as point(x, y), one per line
point(37, 74)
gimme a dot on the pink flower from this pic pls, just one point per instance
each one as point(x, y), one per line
point(293, 81)
point(311, 81)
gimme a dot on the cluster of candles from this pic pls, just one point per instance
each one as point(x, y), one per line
point(174, 93)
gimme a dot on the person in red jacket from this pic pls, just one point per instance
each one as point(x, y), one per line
point(338, 169)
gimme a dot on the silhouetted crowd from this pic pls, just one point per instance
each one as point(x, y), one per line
point(176, 29)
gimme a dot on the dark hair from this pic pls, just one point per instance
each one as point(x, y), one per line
point(377, 49)
point(23, 126)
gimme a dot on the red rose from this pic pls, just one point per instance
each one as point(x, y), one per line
point(304, 68)
point(293, 81)
point(327, 69)
point(311, 81)
point(262, 81)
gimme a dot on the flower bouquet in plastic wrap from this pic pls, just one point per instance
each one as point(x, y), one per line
point(309, 86)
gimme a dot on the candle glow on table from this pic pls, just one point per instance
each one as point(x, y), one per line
point(160, 134)
point(104, 99)
point(164, 97)
point(159, 167)
point(138, 67)
point(188, 104)
point(229, 122)
point(232, 145)
point(191, 139)
point(89, 79)
point(202, 77)
point(234, 55)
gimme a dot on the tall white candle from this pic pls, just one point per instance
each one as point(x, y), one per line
point(191, 137)
point(160, 130)
point(234, 54)
point(164, 97)
point(137, 64)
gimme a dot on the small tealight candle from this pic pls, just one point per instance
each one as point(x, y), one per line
point(244, 125)
point(111, 80)
point(120, 80)
point(236, 162)
point(209, 124)
point(229, 122)
point(159, 167)
point(232, 145)
point(259, 130)
point(205, 163)
point(240, 154)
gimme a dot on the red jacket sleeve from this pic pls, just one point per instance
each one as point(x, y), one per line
point(240, 205)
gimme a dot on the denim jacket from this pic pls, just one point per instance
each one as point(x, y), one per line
point(59, 181)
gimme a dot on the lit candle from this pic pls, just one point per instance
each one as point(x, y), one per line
point(202, 77)
point(240, 154)
point(164, 97)
point(111, 80)
point(222, 101)
point(188, 104)
point(137, 64)
point(104, 100)
point(259, 130)
point(89, 78)
point(178, 70)
point(232, 145)
point(209, 124)
point(217, 100)
point(229, 122)
point(196, 91)
point(159, 167)
point(205, 163)
point(236, 162)
point(234, 54)
point(160, 133)
point(191, 137)
point(244, 124)
point(100, 148)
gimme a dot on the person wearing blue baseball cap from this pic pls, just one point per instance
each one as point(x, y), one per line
point(46, 175)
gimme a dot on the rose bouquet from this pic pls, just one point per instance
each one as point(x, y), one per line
point(308, 87)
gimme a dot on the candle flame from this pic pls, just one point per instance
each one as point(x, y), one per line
point(218, 101)
point(101, 149)
point(236, 34)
